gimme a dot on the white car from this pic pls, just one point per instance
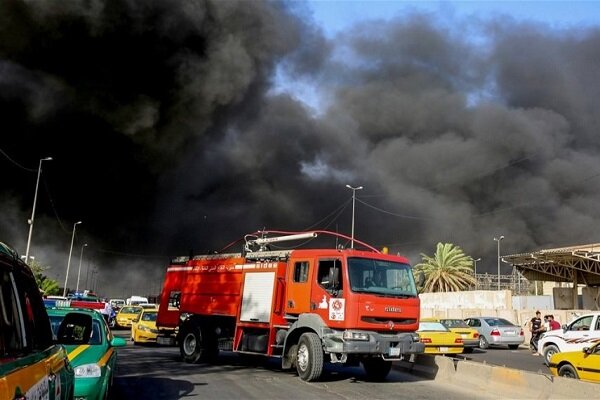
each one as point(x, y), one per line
point(583, 331)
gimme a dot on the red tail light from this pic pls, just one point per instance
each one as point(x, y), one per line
point(495, 332)
point(425, 340)
point(458, 340)
point(522, 333)
point(475, 335)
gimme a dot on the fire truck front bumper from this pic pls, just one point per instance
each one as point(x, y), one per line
point(395, 346)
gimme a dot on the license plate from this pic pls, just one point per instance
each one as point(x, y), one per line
point(394, 352)
point(443, 349)
point(464, 336)
point(165, 341)
point(509, 333)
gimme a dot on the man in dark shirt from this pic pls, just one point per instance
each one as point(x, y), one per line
point(536, 329)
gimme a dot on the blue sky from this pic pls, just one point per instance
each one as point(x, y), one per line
point(335, 15)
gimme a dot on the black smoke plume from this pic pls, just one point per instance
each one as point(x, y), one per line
point(169, 133)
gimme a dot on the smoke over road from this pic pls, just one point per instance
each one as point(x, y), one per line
point(168, 132)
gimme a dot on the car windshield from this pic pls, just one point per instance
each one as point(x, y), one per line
point(96, 337)
point(454, 323)
point(149, 316)
point(130, 310)
point(498, 322)
point(432, 327)
point(381, 277)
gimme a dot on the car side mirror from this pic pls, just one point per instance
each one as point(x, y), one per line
point(565, 328)
point(118, 342)
point(75, 328)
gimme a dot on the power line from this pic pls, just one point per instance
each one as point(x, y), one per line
point(16, 163)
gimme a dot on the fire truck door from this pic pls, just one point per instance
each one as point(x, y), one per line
point(298, 288)
point(327, 296)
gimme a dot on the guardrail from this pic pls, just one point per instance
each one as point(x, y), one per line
point(512, 383)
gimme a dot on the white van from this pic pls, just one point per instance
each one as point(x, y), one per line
point(135, 300)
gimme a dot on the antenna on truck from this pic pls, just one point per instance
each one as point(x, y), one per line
point(255, 243)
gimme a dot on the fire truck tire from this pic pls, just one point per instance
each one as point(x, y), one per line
point(196, 345)
point(309, 360)
point(377, 369)
point(190, 346)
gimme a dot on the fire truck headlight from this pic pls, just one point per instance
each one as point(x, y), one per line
point(351, 335)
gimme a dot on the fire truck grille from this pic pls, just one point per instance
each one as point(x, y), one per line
point(384, 320)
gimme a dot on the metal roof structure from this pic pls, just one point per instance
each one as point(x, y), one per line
point(578, 264)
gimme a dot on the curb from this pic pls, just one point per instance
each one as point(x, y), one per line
point(512, 382)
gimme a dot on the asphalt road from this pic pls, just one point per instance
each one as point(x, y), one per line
point(518, 359)
point(153, 372)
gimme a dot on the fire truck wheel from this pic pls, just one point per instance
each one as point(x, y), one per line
point(309, 361)
point(377, 369)
point(190, 345)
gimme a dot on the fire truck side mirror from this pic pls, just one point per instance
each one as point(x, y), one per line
point(334, 277)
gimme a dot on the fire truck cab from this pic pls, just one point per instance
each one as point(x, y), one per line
point(305, 306)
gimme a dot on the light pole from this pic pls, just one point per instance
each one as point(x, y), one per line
point(70, 253)
point(475, 270)
point(37, 184)
point(498, 239)
point(79, 272)
point(354, 189)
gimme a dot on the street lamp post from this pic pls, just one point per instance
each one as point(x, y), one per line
point(498, 239)
point(70, 253)
point(37, 184)
point(475, 270)
point(79, 272)
point(354, 189)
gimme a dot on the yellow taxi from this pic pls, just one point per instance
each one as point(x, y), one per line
point(584, 364)
point(470, 336)
point(126, 315)
point(438, 339)
point(143, 328)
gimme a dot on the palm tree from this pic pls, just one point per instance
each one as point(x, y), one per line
point(449, 270)
point(46, 285)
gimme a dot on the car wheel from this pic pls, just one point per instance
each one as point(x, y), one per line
point(568, 371)
point(483, 343)
point(549, 351)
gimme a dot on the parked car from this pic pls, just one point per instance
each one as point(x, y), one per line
point(126, 315)
point(583, 364)
point(583, 331)
point(438, 339)
point(143, 328)
point(470, 336)
point(93, 357)
point(32, 364)
point(495, 331)
point(117, 304)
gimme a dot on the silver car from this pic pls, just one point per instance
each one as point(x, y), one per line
point(494, 331)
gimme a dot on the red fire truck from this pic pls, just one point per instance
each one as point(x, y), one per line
point(305, 306)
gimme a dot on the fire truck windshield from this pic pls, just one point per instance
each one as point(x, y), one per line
point(381, 277)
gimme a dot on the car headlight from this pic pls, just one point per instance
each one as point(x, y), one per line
point(88, 371)
point(351, 335)
point(143, 328)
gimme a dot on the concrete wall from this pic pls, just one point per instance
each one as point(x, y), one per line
point(486, 299)
point(531, 302)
